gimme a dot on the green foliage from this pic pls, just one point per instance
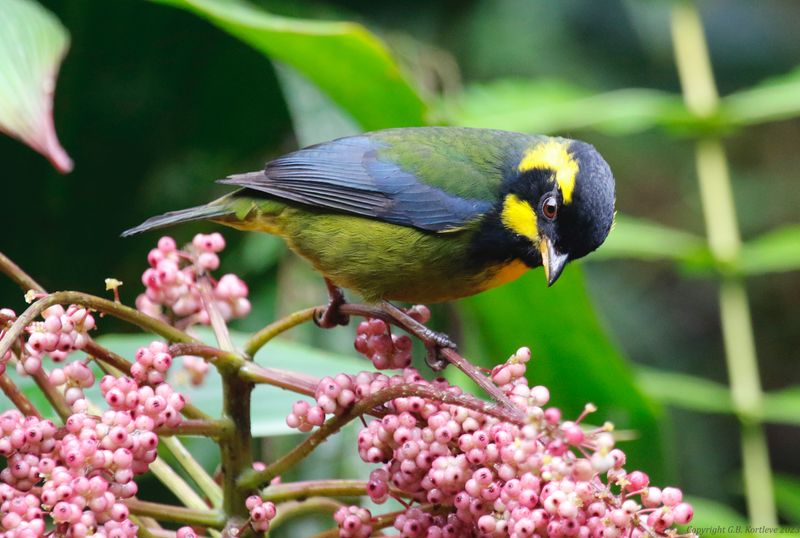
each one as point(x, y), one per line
point(345, 60)
point(718, 519)
point(775, 251)
point(787, 495)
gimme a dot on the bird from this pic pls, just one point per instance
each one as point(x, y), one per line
point(423, 214)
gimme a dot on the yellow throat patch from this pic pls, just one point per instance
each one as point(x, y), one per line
point(519, 217)
point(553, 155)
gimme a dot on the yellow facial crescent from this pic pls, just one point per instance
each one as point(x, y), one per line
point(519, 217)
point(553, 155)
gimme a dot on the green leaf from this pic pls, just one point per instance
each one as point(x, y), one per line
point(774, 99)
point(782, 406)
point(775, 251)
point(269, 404)
point(32, 44)
point(787, 497)
point(548, 106)
point(343, 58)
point(645, 240)
point(702, 395)
point(572, 355)
point(685, 391)
point(712, 518)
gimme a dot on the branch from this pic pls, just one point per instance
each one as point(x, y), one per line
point(20, 277)
point(195, 427)
point(296, 382)
point(293, 509)
point(259, 339)
point(290, 491)
point(512, 414)
point(176, 514)
point(253, 479)
point(19, 399)
point(125, 313)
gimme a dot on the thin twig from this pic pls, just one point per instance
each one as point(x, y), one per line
point(19, 399)
point(176, 514)
point(289, 491)
point(20, 277)
point(259, 339)
point(293, 509)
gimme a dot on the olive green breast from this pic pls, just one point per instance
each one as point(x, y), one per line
point(377, 259)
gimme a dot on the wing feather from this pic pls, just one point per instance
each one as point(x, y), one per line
point(351, 175)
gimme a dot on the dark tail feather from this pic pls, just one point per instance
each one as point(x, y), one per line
point(202, 212)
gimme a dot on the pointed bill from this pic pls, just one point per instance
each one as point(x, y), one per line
point(552, 260)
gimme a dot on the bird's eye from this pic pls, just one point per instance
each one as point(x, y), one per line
point(550, 207)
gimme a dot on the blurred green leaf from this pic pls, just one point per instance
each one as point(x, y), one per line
point(32, 44)
point(270, 405)
point(572, 355)
point(645, 240)
point(775, 251)
point(697, 394)
point(343, 58)
point(774, 99)
point(685, 391)
point(712, 518)
point(548, 106)
point(315, 117)
point(783, 406)
point(787, 496)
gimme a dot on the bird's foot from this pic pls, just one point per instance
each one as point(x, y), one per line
point(332, 314)
point(434, 341)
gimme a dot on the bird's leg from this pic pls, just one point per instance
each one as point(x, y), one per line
point(332, 315)
point(434, 341)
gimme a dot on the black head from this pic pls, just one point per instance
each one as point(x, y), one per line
point(559, 202)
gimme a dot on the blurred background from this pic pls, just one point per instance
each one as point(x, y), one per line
point(154, 103)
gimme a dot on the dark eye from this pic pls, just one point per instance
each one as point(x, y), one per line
point(550, 207)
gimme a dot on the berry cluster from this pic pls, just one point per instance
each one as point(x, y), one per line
point(172, 291)
point(335, 395)
point(61, 333)
point(353, 522)
point(261, 513)
point(76, 476)
point(387, 351)
point(490, 478)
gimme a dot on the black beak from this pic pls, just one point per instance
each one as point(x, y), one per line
point(552, 260)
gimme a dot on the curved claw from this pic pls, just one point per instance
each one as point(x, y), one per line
point(330, 317)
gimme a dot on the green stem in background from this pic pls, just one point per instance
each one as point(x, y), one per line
point(259, 339)
point(716, 193)
point(176, 514)
point(203, 480)
point(177, 485)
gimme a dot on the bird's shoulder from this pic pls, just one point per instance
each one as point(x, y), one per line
point(432, 178)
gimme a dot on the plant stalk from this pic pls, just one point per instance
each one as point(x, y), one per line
point(176, 514)
point(722, 229)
